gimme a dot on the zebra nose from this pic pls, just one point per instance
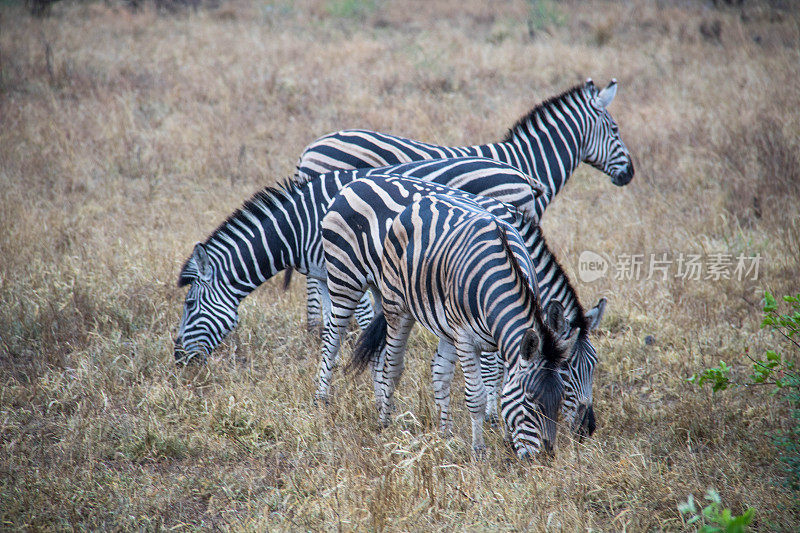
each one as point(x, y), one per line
point(590, 424)
point(625, 176)
point(549, 450)
point(584, 421)
point(179, 352)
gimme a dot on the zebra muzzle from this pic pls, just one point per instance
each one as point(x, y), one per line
point(624, 176)
point(184, 357)
point(584, 422)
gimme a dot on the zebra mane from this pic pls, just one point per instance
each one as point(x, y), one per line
point(540, 108)
point(552, 349)
point(578, 321)
point(260, 201)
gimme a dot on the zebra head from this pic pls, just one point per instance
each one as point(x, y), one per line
point(209, 312)
point(603, 147)
point(578, 372)
point(532, 400)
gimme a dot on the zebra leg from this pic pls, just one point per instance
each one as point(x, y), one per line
point(332, 333)
point(314, 304)
point(343, 301)
point(398, 328)
point(364, 312)
point(442, 368)
point(492, 374)
point(475, 392)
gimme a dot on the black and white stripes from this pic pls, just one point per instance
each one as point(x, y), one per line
point(353, 234)
point(279, 228)
point(467, 277)
point(547, 144)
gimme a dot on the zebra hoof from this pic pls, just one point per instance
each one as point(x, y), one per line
point(493, 420)
point(314, 328)
point(321, 400)
point(480, 452)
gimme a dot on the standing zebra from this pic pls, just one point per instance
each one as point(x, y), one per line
point(279, 228)
point(467, 277)
point(353, 234)
point(548, 144)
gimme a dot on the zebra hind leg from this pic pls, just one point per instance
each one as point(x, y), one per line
point(342, 304)
point(442, 368)
point(314, 291)
point(492, 374)
point(397, 332)
point(364, 313)
point(475, 392)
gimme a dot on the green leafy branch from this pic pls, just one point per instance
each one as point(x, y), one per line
point(715, 518)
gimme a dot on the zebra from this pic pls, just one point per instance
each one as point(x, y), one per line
point(353, 233)
point(467, 277)
point(548, 143)
point(279, 228)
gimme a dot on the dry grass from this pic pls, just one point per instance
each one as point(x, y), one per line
point(126, 137)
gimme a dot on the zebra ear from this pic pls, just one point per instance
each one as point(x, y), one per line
point(200, 257)
point(529, 346)
point(595, 314)
point(555, 317)
point(607, 95)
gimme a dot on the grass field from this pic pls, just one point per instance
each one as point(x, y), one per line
point(127, 137)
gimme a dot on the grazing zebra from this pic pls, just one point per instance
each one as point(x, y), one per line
point(353, 233)
point(467, 277)
point(548, 143)
point(279, 228)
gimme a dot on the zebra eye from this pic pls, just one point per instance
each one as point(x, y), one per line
point(190, 302)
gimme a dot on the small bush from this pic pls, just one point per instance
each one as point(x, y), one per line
point(775, 369)
point(714, 518)
point(543, 14)
point(351, 9)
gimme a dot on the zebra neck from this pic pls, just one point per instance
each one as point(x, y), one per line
point(507, 329)
point(509, 348)
point(551, 279)
point(272, 232)
point(549, 147)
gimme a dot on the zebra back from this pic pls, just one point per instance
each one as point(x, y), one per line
point(547, 144)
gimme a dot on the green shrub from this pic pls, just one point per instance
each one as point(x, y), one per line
point(714, 518)
point(543, 14)
point(351, 9)
point(774, 369)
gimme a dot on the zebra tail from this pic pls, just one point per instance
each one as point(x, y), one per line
point(369, 345)
point(287, 278)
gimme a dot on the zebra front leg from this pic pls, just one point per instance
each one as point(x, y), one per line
point(475, 392)
point(397, 332)
point(442, 368)
point(492, 373)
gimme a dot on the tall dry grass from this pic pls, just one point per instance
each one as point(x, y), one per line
point(125, 137)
